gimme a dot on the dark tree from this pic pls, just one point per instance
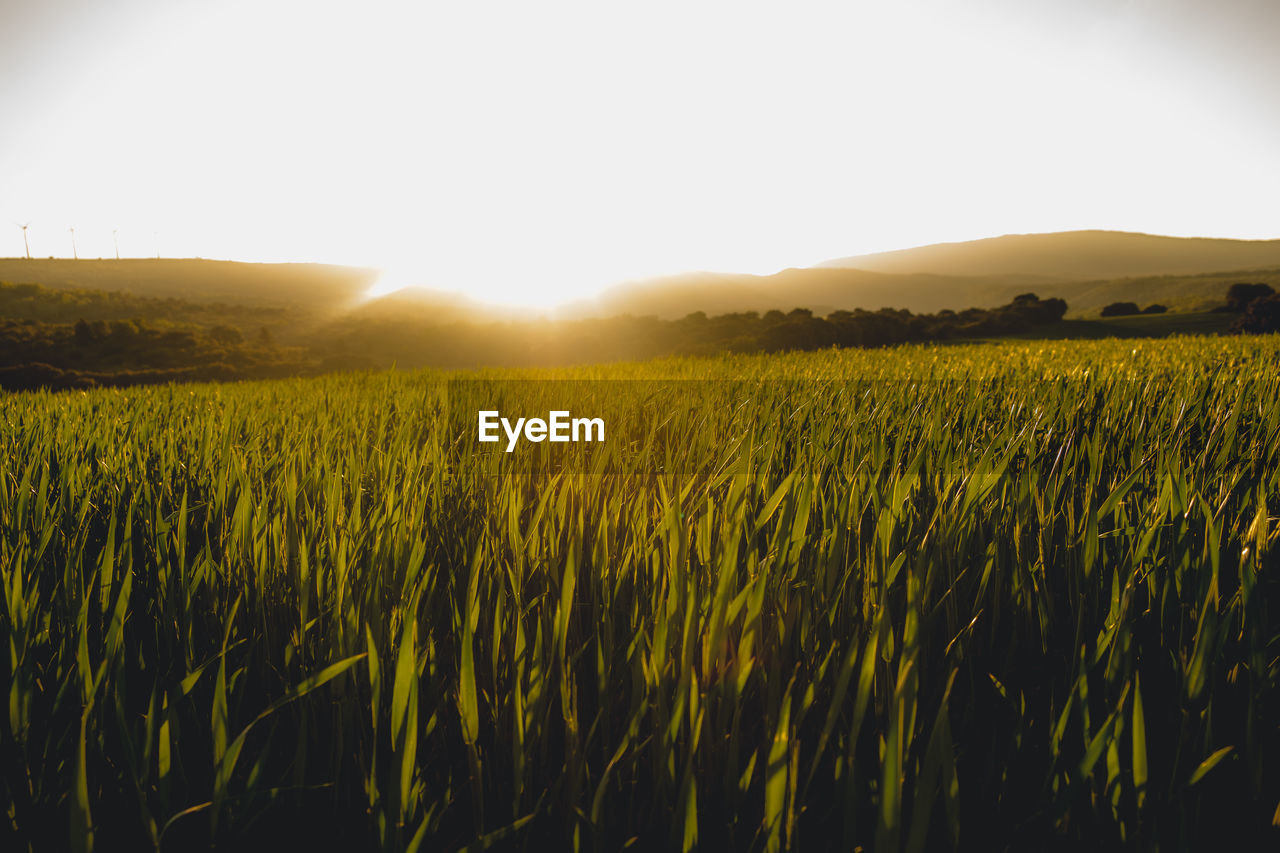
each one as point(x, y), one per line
point(1239, 295)
point(84, 333)
point(1155, 308)
point(1262, 316)
point(1120, 309)
point(1037, 311)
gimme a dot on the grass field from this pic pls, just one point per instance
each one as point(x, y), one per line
point(1014, 596)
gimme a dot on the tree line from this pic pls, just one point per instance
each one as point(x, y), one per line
point(159, 347)
point(87, 353)
point(411, 342)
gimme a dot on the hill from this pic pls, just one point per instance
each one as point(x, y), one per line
point(1089, 269)
point(826, 289)
point(78, 338)
point(1192, 293)
point(304, 286)
point(820, 290)
point(1074, 255)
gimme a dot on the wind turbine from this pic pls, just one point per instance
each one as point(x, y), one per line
point(74, 254)
point(115, 240)
point(25, 244)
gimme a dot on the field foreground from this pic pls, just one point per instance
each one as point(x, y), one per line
point(1016, 596)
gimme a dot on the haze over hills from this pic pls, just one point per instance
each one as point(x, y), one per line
point(1088, 269)
point(820, 290)
point(824, 290)
point(299, 285)
point(1075, 255)
point(76, 324)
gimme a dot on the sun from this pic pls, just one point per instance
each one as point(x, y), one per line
point(508, 288)
point(387, 283)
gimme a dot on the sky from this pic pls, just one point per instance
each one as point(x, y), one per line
point(528, 153)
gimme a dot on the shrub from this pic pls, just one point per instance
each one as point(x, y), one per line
point(1261, 316)
point(1239, 295)
point(1120, 309)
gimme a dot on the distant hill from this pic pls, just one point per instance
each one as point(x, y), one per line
point(1074, 255)
point(308, 286)
point(826, 290)
point(1185, 293)
point(302, 294)
point(311, 289)
point(1088, 269)
point(240, 321)
point(820, 290)
point(440, 306)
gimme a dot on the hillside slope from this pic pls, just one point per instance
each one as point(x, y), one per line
point(826, 290)
point(1088, 269)
point(820, 290)
point(312, 286)
point(1074, 255)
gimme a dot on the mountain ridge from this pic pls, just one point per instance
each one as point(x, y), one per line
point(1186, 273)
point(1073, 255)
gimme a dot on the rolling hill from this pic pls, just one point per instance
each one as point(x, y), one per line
point(820, 290)
point(1088, 269)
point(1074, 255)
point(826, 290)
point(310, 286)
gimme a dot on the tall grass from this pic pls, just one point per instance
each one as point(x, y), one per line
point(980, 597)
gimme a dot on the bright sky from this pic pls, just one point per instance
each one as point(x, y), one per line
point(529, 152)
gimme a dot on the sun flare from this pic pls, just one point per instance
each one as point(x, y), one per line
point(513, 290)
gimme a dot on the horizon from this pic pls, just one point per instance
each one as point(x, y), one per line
point(543, 156)
point(1048, 261)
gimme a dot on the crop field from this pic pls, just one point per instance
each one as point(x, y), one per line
point(1013, 596)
